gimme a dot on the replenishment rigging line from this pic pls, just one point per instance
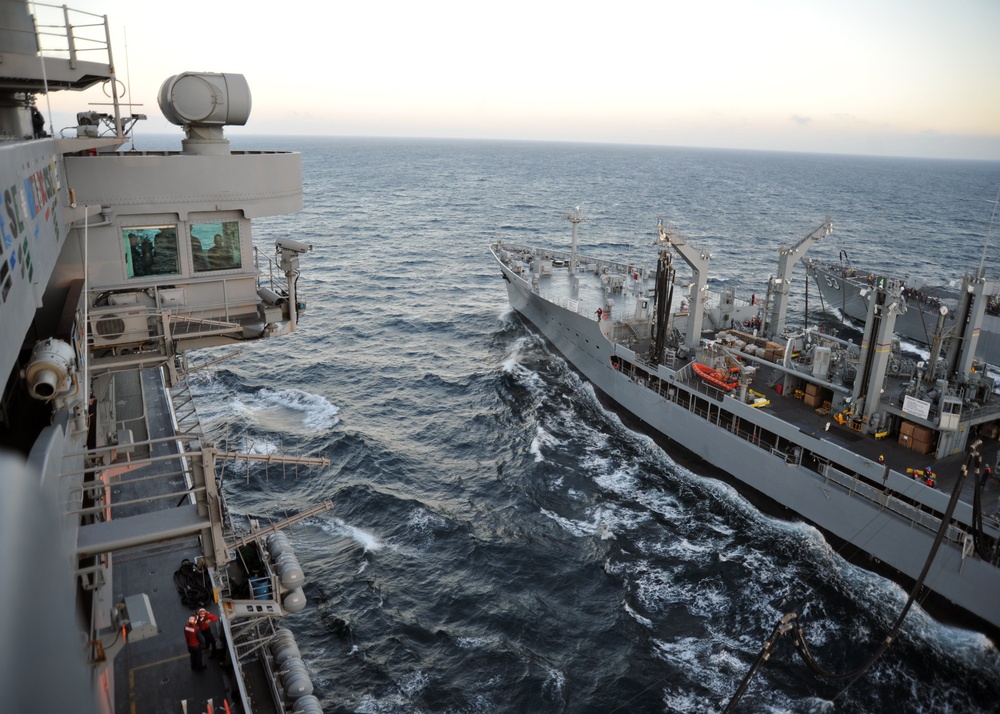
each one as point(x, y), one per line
point(785, 625)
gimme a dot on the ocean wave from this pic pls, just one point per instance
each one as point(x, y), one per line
point(606, 520)
point(644, 621)
point(317, 412)
point(554, 685)
point(524, 517)
point(336, 526)
point(542, 438)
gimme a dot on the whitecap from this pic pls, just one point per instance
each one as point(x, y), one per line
point(577, 528)
point(413, 682)
point(605, 520)
point(339, 528)
point(555, 682)
point(422, 519)
point(279, 409)
point(478, 643)
point(621, 480)
point(318, 413)
point(252, 444)
point(644, 621)
point(542, 438)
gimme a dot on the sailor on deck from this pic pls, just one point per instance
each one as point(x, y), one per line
point(205, 620)
point(193, 639)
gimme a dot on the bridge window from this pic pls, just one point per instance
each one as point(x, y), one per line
point(150, 250)
point(215, 246)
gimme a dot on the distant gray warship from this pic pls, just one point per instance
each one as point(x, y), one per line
point(858, 439)
point(931, 310)
point(114, 265)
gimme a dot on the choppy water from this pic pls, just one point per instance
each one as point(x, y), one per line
point(500, 541)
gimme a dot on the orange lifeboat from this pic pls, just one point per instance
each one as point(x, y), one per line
point(715, 377)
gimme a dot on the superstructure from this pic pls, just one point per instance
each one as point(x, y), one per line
point(114, 265)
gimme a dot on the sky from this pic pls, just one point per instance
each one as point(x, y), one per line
point(879, 77)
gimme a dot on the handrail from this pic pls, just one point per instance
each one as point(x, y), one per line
point(47, 27)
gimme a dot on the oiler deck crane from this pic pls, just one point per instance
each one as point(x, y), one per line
point(781, 284)
point(698, 261)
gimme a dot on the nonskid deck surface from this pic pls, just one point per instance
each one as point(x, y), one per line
point(897, 457)
point(557, 287)
point(154, 675)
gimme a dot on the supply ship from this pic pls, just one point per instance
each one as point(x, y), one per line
point(858, 439)
point(931, 309)
point(114, 266)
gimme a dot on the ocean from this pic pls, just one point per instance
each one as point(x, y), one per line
point(501, 539)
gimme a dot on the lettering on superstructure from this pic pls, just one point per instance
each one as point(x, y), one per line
point(28, 204)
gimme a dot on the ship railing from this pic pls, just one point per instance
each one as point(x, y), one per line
point(250, 639)
point(570, 304)
point(251, 635)
point(63, 32)
point(125, 465)
point(143, 331)
point(630, 331)
point(589, 264)
point(885, 500)
point(854, 486)
point(185, 412)
point(142, 341)
point(977, 412)
point(274, 277)
point(66, 32)
point(207, 312)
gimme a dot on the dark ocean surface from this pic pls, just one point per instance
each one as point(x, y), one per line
point(500, 540)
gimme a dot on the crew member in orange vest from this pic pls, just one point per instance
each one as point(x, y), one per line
point(193, 639)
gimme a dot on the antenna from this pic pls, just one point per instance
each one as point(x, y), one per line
point(128, 77)
point(986, 241)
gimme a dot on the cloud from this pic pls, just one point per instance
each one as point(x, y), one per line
point(801, 120)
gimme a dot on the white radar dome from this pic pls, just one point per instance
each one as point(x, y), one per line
point(205, 99)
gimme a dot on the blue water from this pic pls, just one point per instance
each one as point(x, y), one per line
point(500, 541)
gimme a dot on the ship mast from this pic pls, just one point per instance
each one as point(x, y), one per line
point(576, 218)
point(986, 240)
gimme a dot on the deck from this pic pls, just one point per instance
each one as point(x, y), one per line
point(154, 675)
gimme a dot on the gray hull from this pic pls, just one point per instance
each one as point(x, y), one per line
point(834, 499)
point(841, 290)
